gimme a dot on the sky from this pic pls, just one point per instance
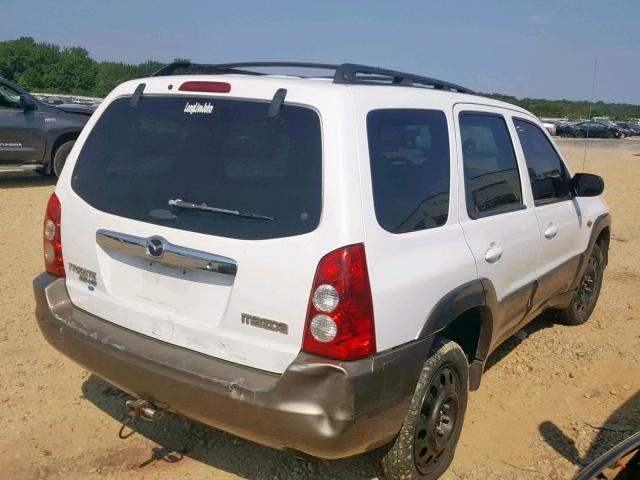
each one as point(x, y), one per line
point(537, 49)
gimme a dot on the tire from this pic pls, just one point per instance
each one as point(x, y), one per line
point(60, 157)
point(425, 446)
point(579, 134)
point(585, 299)
point(611, 135)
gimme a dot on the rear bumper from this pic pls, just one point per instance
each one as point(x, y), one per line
point(325, 408)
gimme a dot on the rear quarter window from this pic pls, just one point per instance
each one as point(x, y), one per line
point(410, 164)
point(234, 157)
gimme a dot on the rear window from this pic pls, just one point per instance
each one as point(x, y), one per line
point(224, 153)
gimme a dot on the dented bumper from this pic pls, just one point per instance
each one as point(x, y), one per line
point(325, 408)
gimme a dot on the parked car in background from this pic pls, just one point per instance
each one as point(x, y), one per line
point(549, 127)
point(564, 128)
point(590, 130)
point(36, 136)
point(632, 129)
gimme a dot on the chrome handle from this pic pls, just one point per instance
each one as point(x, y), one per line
point(493, 254)
point(551, 231)
point(157, 249)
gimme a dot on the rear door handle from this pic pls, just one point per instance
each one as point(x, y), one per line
point(493, 254)
point(551, 231)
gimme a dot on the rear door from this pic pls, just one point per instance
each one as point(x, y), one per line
point(22, 138)
point(234, 286)
point(499, 224)
point(556, 210)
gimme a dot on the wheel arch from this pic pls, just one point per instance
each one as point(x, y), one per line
point(58, 140)
point(64, 138)
point(465, 315)
point(600, 234)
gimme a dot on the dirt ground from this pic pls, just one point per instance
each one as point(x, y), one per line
point(553, 398)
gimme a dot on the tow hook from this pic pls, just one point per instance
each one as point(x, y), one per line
point(139, 409)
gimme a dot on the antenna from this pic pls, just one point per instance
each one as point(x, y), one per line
point(593, 87)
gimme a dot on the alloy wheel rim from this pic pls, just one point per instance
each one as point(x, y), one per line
point(438, 418)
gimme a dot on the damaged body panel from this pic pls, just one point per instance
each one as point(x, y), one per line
point(325, 408)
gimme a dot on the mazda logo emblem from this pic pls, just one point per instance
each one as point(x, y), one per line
point(155, 247)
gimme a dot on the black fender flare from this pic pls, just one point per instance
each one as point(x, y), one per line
point(603, 221)
point(473, 294)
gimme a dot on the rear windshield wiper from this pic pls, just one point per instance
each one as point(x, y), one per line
point(204, 207)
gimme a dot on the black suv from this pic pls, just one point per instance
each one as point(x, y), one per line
point(36, 136)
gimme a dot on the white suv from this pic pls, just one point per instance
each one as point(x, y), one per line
point(318, 264)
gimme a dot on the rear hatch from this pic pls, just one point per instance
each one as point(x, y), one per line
point(198, 216)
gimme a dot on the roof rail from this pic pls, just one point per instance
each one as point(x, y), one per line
point(345, 74)
point(353, 74)
point(238, 68)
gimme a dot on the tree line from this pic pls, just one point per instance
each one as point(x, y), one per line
point(571, 108)
point(47, 68)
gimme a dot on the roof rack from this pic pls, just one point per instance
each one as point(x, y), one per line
point(239, 68)
point(345, 74)
point(353, 74)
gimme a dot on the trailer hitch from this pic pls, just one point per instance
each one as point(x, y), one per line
point(139, 409)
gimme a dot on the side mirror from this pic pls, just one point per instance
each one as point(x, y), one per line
point(587, 185)
point(27, 104)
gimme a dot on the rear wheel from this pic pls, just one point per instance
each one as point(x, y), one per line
point(585, 299)
point(579, 134)
point(425, 446)
point(60, 157)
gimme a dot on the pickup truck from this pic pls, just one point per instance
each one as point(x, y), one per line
point(36, 136)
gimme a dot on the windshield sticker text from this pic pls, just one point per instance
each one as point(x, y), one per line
point(197, 107)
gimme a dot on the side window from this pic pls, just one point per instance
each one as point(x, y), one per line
point(410, 163)
point(492, 180)
point(549, 178)
point(9, 98)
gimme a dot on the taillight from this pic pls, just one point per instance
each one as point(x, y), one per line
point(215, 87)
point(339, 320)
point(51, 239)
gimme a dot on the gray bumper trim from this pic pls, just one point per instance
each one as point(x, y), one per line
point(325, 408)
